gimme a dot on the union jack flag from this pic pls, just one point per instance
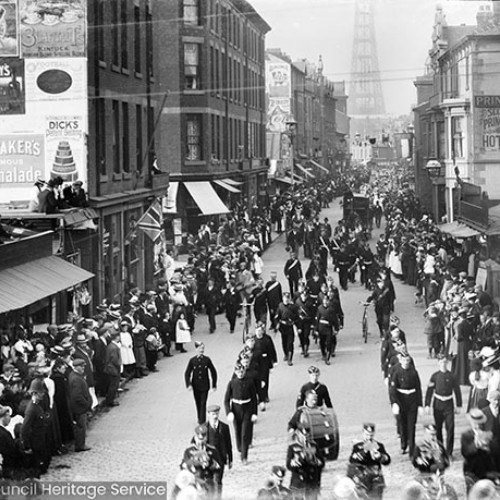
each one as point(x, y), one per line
point(151, 222)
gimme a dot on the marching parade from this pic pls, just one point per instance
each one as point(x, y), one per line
point(229, 273)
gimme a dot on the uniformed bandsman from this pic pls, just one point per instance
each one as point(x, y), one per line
point(240, 403)
point(287, 316)
point(321, 390)
point(366, 461)
point(443, 385)
point(327, 326)
point(274, 297)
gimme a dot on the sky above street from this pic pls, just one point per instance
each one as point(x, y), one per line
point(309, 28)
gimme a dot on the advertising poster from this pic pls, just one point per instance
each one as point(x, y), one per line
point(9, 29)
point(54, 80)
point(487, 127)
point(12, 92)
point(279, 79)
point(53, 29)
point(278, 113)
point(21, 160)
point(65, 148)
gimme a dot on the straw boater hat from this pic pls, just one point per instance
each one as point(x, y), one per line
point(476, 416)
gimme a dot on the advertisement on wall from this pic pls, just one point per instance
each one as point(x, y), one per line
point(278, 79)
point(9, 29)
point(12, 92)
point(278, 112)
point(65, 148)
point(487, 127)
point(53, 29)
point(50, 81)
point(22, 160)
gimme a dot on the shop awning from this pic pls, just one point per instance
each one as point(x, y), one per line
point(228, 187)
point(285, 180)
point(206, 198)
point(321, 167)
point(458, 230)
point(232, 182)
point(170, 201)
point(305, 171)
point(27, 283)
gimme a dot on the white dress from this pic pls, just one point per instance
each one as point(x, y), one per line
point(127, 348)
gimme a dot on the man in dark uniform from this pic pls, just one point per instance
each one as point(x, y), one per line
point(327, 326)
point(383, 305)
point(212, 297)
point(287, 317)
point(343, 264)
point(240, 403)
point(366, 262)
point(405, 394)
point(323, 396)
point(35, 428)
point(366, 460)
point(274, 297)
point(307, 312)
point(232, 301)
point(314, 287)
point(293, 272)
point(260, 301)
point(274, 489)
point(203, 460)
point(442, 385)
point(430, 455)
point(264, 349)
point(219, 437)
point(306, 462)
point(199, 371)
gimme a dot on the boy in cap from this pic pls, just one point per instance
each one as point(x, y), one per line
point(366, 460)
point(219, 436)
point(274, 489)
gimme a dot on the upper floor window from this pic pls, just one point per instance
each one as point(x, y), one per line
point(192, 66)
point(457, 136)
point(193, 138)
point(191, 14)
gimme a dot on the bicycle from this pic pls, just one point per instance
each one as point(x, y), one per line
point(364, 321)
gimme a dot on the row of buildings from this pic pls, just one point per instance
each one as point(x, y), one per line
point(457, 133)
point(143, 100)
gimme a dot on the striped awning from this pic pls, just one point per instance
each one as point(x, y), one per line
point(206, 198)
point(227, 187)
point(28, 283)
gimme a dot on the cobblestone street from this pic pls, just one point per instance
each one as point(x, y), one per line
point(144, 438)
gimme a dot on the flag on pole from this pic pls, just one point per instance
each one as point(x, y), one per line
point(151, 222)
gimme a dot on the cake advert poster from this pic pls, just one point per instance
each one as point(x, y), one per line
point(65, 148)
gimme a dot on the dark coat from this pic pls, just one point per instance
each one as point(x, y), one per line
point(62, 405)
point(220, 439)
point(80, 398)
point(197, 373)
point(100, 356)
point(89, 366)
point(11, 452)
point(113, 360)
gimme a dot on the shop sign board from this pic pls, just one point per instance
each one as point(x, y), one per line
point(487, 127)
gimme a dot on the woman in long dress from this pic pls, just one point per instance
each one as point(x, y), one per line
point(464, 333)
point(478, 379)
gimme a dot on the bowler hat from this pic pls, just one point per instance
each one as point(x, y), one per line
point(37, 385)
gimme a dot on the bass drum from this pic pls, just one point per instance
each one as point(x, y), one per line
point(324, 430)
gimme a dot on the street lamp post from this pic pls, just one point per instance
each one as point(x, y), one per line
point(291, 127)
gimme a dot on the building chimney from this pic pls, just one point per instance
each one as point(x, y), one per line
point(484, 16)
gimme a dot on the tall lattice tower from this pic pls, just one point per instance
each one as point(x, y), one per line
point(366, 100)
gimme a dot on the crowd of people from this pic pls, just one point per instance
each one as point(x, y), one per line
point(52, 381)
